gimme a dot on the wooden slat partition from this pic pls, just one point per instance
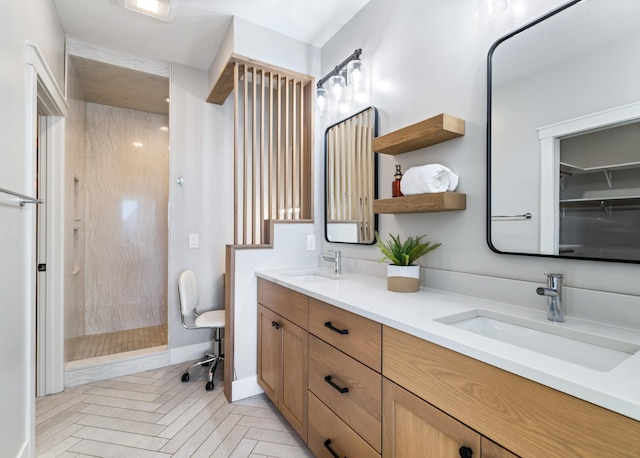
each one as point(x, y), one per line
point(350, 162)
point(273, 149)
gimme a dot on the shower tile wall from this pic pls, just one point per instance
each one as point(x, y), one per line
point(126, 219)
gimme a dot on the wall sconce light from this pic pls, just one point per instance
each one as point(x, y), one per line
point(487, 9)
point(345, 83)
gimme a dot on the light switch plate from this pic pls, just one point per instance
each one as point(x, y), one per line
point(311, 242)
point(194, 240)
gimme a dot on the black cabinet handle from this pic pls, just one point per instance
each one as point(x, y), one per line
point(465, 452)
point(336, 387)
point(275, 324)
point(339, 331)
point(327, 445)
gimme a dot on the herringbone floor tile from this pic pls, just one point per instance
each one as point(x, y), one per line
point(154, 414)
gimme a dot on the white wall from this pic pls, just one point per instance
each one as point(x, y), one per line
point(201, 138)
point(428, 57)
point(289, 250)
point(19, 23)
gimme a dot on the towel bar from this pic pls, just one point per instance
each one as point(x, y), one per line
point(23, 199)
point(524, 216)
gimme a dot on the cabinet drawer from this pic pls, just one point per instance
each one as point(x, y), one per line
point(287, 303)
point(360, 406)
point(526, 417)
point(324, 425)
point(357, 336)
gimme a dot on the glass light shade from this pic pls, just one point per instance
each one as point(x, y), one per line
point(355, 75)
point(337, 85)
point(322, 101)
point(487, 9)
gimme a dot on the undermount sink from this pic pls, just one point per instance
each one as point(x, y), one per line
point(314, 275)
point(559, 340)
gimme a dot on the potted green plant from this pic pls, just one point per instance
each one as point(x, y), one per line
point(402, 274)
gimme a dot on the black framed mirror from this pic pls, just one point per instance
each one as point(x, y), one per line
point(563, 134)
point(351, 170)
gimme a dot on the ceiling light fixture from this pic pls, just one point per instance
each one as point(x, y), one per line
point(346, 83)
point(159, 9)
point(488, 9)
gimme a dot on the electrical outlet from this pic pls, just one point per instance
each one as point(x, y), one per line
point(311, 242)
point(194, 240)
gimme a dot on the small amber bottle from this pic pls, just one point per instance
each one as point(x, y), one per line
point(395, 186)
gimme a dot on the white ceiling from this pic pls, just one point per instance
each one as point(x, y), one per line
point(193, 36)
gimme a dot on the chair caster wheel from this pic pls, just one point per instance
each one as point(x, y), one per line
point(209, 386)
point(185, 377)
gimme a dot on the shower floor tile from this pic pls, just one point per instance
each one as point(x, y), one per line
point(110, 343)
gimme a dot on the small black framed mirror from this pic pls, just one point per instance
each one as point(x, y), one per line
point(351, 170)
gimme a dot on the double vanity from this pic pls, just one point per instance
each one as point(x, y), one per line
point(360, 371)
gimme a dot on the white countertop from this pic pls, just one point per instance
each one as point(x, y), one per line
point(415, 313)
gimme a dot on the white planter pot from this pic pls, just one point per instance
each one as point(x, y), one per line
point(403, 279)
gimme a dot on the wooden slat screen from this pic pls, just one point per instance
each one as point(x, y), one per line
point(273, 149)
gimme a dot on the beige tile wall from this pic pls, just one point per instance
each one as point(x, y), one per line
point(126, 204)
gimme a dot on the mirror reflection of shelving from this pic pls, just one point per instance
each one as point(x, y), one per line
point(600, 193)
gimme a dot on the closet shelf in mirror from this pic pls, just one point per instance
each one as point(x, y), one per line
point(422, 203)
point(600, 202)
point(425, 133)
point(576, 169)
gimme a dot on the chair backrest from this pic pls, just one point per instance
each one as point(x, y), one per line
point(188, 291)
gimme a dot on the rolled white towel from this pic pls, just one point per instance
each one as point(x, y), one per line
point(428, 178)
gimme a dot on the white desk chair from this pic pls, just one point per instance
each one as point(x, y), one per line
point(189, 299)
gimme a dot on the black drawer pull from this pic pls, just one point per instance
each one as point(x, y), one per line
point(327, 445)
point(275, 324)
point(337, 388)
point(465, 452)
point(339, 331)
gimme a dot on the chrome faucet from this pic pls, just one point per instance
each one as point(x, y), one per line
point(335, 259)
point(553, 291)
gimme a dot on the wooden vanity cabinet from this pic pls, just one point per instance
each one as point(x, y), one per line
point(529, 419)
point(345, 385)
point(492, 450)
point(408, 397)
point(414, 428)
point(283, 351)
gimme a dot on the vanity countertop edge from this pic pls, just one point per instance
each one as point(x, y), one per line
point(416, 314)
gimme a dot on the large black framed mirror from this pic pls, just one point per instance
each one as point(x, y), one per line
point(563, 136)
point(351, 170)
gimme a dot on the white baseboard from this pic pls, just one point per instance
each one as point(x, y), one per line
point(245, 388)
point(189, 352)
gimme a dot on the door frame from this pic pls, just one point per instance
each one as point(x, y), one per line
point(45, 97)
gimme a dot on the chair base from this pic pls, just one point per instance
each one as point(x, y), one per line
point(209, 359)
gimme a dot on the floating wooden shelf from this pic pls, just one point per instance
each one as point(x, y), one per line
point(420, 135)
point(422, 203)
